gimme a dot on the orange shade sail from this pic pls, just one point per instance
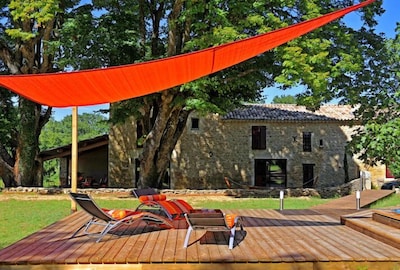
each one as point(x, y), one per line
point(106, 85)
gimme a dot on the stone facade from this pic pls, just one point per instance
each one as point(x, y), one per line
point(122, 154)
point(214, 147)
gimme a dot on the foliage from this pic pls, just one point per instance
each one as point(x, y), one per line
point(379, 108)
point(327, 61)
point(26, 28)
point(39, 12)
point(70, 35)
point(8, 117)
point(58, 133)
point(284, 99)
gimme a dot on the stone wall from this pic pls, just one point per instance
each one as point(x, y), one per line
point(220, 148)
point(331, 192)
point(122, 154)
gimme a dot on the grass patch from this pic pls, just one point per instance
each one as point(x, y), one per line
point(389, 201)
point(255, 203)
point(22, 218)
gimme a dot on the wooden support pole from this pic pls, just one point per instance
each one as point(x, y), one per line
point(74, 155)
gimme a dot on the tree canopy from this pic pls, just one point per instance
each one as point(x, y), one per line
point(58, 133)
point(325, 61)
point(379, 108)
point(284, 99)
point(331, 62)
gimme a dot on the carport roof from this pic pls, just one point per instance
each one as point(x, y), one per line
point(84, 145)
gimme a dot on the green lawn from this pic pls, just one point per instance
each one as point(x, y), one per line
point(26, 214)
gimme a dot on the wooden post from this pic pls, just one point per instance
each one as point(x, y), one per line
point(74, 156)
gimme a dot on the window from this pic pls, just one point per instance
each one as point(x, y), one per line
point(307, 141)
point(195, 123)
point(258, 137)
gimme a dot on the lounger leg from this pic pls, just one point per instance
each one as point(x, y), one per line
point(232, 237)
point(77, 231)
point(104, 232)
point(189, 231)
point(86, 226)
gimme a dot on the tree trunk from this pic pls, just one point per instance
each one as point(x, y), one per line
point(160, 142)
point(27, 166)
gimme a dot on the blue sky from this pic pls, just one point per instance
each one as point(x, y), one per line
point(386, 24)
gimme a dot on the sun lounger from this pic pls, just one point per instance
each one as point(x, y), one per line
point(111, 219)
point(152, 201)
point(212, 221)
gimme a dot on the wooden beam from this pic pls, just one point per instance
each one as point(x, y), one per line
point(74, 155)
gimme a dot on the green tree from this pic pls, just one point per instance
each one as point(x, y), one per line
point(284, 99)
point(26, 29)
point(379, 107)
point(8, 131)
point(324, 61)
point(58, 133)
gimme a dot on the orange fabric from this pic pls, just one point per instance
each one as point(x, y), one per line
point(117, 214)
point(156, 197)
point(171, 208)
point(106, 85)
point(183, 205)
point(230, 219)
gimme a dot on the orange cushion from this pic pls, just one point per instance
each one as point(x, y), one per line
point(117, 214)
point(156, 197)
point(183, 205)
point(171, 208)
point(230, 219)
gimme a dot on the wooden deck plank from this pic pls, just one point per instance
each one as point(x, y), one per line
point(368, 225)
point(357, 244)
point(170, 246)
point(184, 255)
point(225, 255)
point(159, 249)
point(148, 247)
point(314, 228)
point(323, 235)
point(263, 245)
point(122, 252)
point(39, 242)
point(141, 239)
point(130, 251)
point(349, 202)
point(286, 237)
point(268, 249)
point(301, 241)
point(297, 237)
point(213, 240)
point(115, 246)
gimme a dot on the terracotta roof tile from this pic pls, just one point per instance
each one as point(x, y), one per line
point(291, 112)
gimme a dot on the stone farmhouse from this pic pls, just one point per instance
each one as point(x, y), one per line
point(260, 145)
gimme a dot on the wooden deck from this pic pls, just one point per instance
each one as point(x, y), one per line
point(272, 239)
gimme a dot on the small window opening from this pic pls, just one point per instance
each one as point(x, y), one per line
point(195, 123)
